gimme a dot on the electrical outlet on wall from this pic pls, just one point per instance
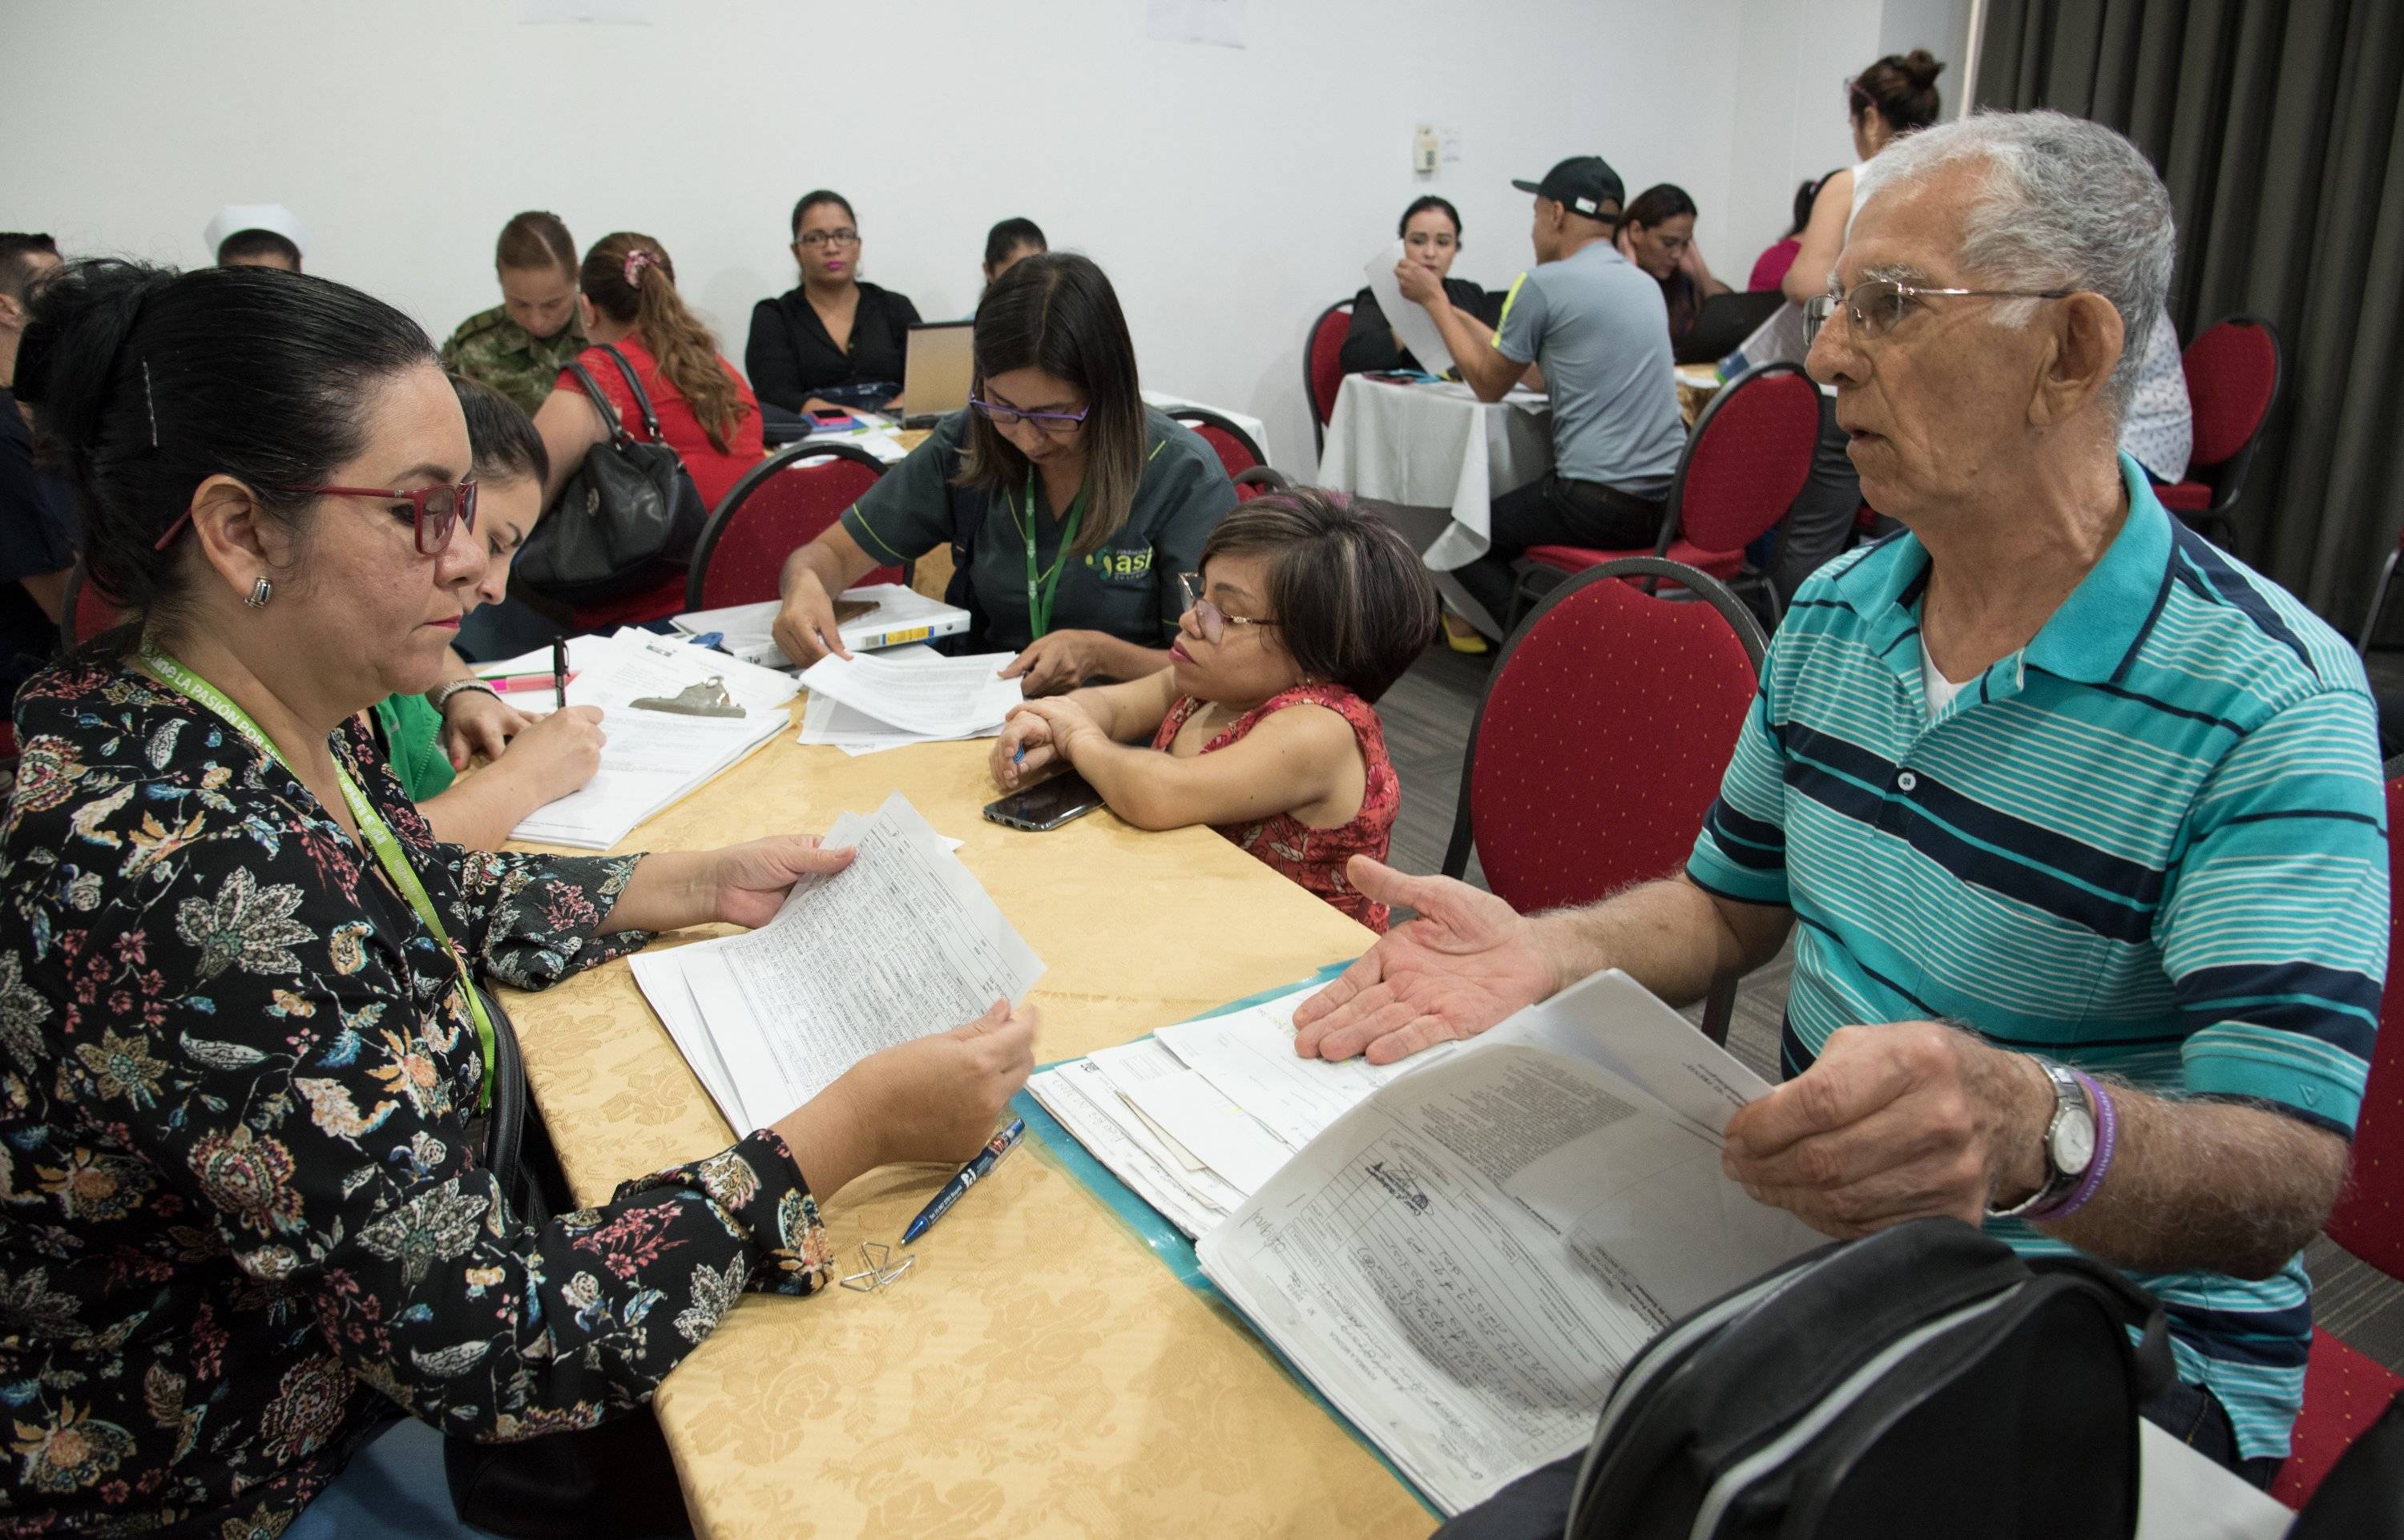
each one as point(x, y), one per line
point(1451, 138)
point(1424, 150)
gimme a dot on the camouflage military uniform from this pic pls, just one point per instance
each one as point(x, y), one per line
point(492, 349)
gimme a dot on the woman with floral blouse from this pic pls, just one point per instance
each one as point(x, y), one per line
point(242, 1218)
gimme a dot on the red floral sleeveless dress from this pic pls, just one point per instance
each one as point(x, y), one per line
point(1314, 858)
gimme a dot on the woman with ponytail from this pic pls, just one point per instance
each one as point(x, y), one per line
point(627, 297)
point(249, 1217)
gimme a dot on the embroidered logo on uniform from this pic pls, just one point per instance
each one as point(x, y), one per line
point(1121, 565)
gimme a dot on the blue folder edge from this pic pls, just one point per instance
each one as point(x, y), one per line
point(1167, 1242)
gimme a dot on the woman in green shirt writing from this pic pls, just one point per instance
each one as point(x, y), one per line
point(1069, 506)
point(429, 738)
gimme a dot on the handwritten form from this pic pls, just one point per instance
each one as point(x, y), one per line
point(1464, 1261)
point(901, 944)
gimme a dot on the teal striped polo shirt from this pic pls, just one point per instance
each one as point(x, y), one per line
point(2152, 842)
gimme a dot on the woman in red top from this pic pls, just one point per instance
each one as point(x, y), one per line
point(628, 299)
point(1304, 612)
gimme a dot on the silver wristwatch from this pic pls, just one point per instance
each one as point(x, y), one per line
point(439, 697)
point(2069, 1142)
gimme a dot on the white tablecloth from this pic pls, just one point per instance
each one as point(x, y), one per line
point(1257, 430)
point(1436, 446)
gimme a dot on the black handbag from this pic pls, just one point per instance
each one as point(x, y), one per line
point(628, 518)
point(616, 1481)
point(1924, 1380)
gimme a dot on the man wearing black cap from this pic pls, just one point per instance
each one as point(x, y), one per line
point(1597, 326)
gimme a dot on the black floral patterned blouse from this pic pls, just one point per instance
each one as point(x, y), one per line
point(240, 1214)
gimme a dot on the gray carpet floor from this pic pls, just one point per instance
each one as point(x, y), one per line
point(1427, 716)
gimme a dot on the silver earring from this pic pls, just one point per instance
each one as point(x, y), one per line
point(260, 591)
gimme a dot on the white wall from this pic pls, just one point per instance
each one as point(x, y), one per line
point(1230, 194)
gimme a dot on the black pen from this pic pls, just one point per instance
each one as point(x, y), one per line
point(559, 672)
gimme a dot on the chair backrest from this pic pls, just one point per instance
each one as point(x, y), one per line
point(1748, 459)
point(2369, 1219)
point(781, 505)
point(1322, 364)
point(2232, 378)
point(85, 610)
point(1232, 444)
point(1604, 735)
point(1251, 483)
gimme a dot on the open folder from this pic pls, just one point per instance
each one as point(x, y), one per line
point(1461, 1249)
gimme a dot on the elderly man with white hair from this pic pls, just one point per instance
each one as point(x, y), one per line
point(2082, 820)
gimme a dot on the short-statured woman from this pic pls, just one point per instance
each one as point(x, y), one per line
point(831, 340)
point(1430, 232)
point(246, 1217)
point(627, 294)
point(1657, 235)
point(519, 345)
point(429, 737)
point(1077, 505)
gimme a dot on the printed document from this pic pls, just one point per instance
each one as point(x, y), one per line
point(1464, 1261)
point(942, 699)
point(1411, 321)
point(901, 944)
point(900, 615)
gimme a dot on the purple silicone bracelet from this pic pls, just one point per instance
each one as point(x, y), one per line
point(2107, 1130)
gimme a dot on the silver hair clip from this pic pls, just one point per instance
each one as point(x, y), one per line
point(882, 1270)
point(149, 404)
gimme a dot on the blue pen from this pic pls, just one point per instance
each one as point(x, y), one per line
point(987, 1159)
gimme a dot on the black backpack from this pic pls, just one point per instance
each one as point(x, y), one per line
point(625, 522)
point(1925, 1381)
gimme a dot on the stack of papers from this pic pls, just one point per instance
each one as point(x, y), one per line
point(866, 702)
point(902, 614)
point(650, 758)
point(1199, 1116)
point(901, 944)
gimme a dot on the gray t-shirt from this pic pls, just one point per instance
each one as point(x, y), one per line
point(1128, 588)
point(1597, 324)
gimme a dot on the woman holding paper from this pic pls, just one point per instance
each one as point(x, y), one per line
point(238, 1049)
point(1430, 232)
point(1069, 504)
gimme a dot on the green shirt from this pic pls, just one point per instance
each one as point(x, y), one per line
point(490, 348)
point(1127, 589)
point(412, 738)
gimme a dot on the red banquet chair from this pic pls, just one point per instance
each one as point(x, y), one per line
point(1742, 469)
point(2344, 1392)
point(85, 610)
point(1323, 366)
point(1602, 738)
point(2234, 376)
point(781, 505)
point(1232, 444)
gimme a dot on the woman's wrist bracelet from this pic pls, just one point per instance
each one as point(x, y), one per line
point(441, 696)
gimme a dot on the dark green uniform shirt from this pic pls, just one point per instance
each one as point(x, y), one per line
point(490, 348)
point(1128, 588)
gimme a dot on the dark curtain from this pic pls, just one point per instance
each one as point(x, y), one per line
point(2276, 125)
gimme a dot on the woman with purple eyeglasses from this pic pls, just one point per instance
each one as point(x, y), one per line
point(1069, 504)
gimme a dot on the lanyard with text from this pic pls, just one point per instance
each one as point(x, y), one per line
point(373, 829)
point(1042, 590)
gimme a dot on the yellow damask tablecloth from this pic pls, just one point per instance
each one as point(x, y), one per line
point(1040, 1373)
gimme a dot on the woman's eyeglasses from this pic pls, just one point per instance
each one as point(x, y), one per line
point(432, 510)
point(1049, 421)
point(846, 237)
point(1209, 617)
point(1877, 307)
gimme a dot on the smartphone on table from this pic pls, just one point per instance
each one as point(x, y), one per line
point(1047, 804)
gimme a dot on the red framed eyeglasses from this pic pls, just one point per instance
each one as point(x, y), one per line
point(432, 510)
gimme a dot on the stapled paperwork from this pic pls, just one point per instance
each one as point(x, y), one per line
point(901, 944)
point(900, 615)
point(1411, 322)
point(1464, 1260)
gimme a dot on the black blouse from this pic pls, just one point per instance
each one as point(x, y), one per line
point(791, 356)
point(1369, 344)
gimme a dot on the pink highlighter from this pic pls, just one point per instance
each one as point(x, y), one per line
point(526, 681)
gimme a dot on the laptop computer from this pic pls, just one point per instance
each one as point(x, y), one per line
point(936, 371)
point(1723, 323)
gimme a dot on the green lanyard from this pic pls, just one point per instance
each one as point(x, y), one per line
point(372, 828)
point(1042, 590)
